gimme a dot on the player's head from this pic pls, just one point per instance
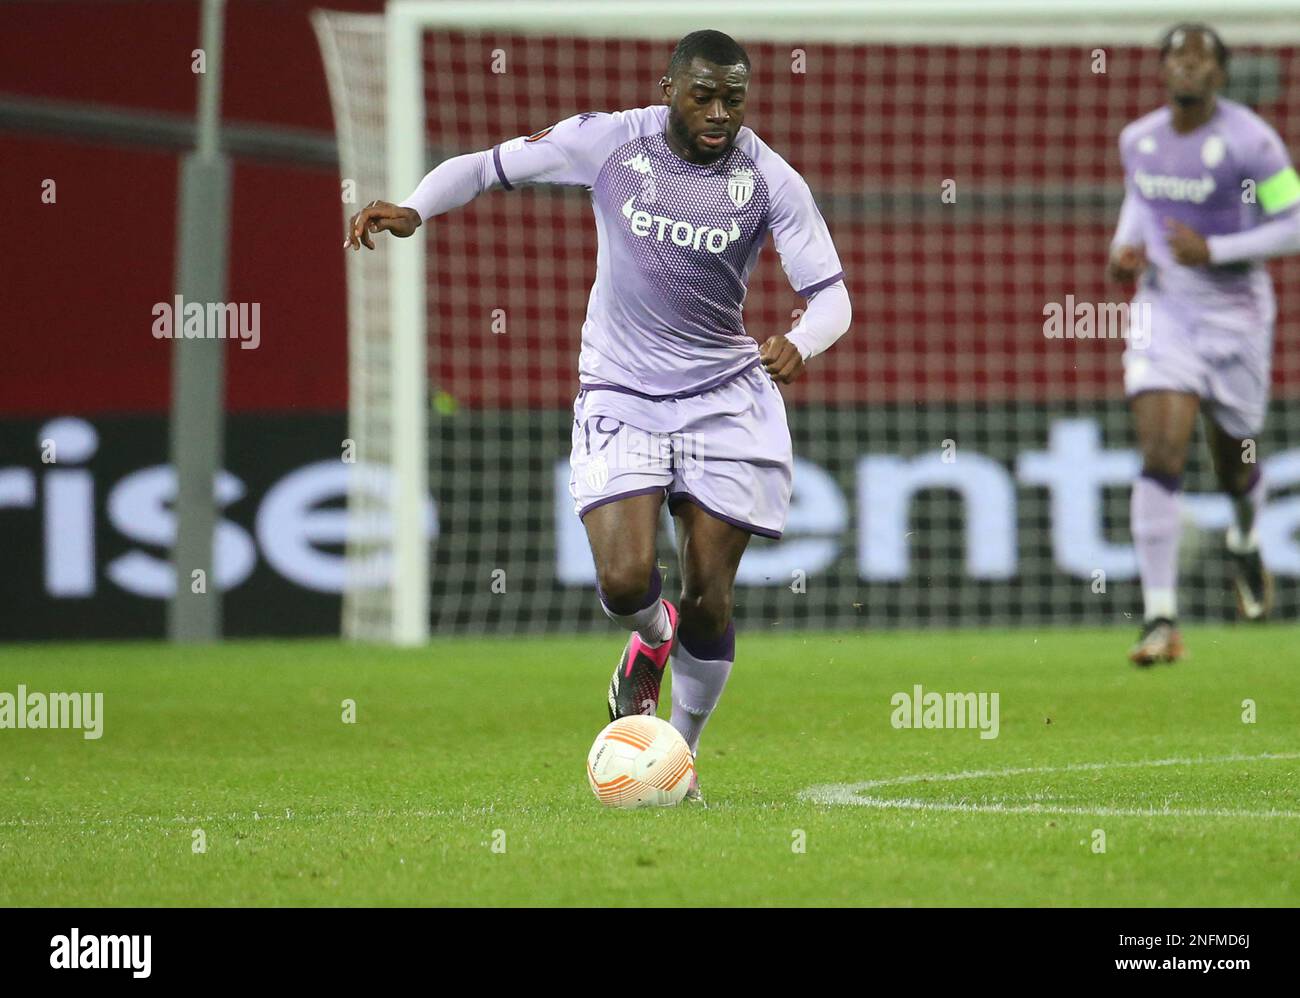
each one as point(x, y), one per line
point(705, 89)
point(1193, 63)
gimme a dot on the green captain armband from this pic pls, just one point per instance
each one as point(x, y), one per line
point(1279, 191)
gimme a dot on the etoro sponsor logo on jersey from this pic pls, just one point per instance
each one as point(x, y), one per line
point(661, 227)
point(1193, 189)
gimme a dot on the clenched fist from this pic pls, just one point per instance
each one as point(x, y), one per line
point(1126, 263)
point(781, 359)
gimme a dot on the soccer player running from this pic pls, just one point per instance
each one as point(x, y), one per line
point(1210, 192)
point(676, 401)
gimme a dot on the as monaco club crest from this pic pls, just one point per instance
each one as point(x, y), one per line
point(740, 186)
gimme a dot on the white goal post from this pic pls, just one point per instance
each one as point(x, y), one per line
point(396, 41)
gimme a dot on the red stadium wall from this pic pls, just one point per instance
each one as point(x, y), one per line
point(82, 275)
point(92, 265)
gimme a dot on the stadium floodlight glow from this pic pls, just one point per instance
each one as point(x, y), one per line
point(1028, 136)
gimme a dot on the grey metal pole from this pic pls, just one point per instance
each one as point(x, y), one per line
point(198, 365)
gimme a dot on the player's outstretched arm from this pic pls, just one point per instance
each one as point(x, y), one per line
point(380, 216)
point(565, 154)
point(449, 185)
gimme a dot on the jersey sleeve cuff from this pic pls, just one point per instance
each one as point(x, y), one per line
point(501, 174)
point(812, 289)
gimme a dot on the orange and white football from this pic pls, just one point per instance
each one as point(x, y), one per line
point(639, 761)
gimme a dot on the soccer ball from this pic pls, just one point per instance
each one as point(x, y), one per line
point(639, 761)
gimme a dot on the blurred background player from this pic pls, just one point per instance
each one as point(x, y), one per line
point(676, 401)
point(1210, 192)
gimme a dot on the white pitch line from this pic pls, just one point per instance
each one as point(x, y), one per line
point(850, 793)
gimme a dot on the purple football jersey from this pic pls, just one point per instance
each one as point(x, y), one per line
point(677, 243)
point(1200, 179)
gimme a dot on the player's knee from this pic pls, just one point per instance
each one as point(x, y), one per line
point(1163, 458)
point(1237, 478)
point(706, 611)
point(625, 583)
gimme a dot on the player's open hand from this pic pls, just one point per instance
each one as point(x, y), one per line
point(1126, 263)
point(1188, 245)
point(380, 216)
point(781, 359)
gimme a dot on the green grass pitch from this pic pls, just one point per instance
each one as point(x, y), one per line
point(462, 780)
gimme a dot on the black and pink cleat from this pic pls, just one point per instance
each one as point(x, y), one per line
point(635, 686)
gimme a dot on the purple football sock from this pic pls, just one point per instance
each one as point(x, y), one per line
point(1156, 517)
point(700, 671)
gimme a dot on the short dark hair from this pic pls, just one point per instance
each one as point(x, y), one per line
point(1220, 50)
point(712, 46)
